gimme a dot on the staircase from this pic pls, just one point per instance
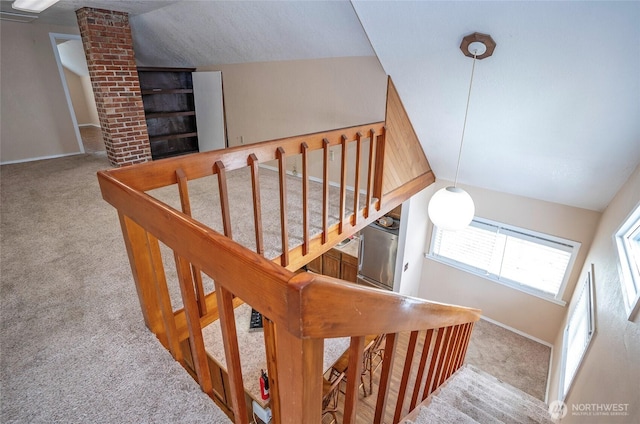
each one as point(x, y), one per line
point(473, 396)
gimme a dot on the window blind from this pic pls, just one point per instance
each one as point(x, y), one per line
point(506, 254)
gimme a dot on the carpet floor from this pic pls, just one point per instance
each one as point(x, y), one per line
point(73, 345)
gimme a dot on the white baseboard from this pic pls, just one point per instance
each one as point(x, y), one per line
point(39, 158)
point(515, 330)
point(89, 125)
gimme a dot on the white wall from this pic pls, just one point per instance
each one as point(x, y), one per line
point(36, 121)
point(269, 100)
point(414, 221)
point(84, 104)
point(529, 314)
point(610, 372)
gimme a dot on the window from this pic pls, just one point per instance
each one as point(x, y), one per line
point(536, 263)
point(628, 242)
point(577, 334)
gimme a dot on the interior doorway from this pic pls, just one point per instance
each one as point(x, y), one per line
point(74, 74)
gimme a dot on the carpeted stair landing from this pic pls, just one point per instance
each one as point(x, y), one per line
point(473, 396)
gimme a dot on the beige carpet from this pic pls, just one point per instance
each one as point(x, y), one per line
point(74, 348)
point(73, 345)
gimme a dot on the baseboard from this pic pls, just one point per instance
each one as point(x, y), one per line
point(312, 178)
point(40, 158)
point(515, 330)
point(89, 125)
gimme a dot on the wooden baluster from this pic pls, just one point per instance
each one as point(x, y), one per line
point(196, 342)
point(379, 173)
point(135, 240)
point(284, 230)
point(300, 372)
point(164, 300)
point(272, 368)
point(325, 191)
point(449, 355)
point(370, 171)
point(343, 184)
point(457, 347)
point(423, 360)
point(257, 209)
point(466, 342)
point(354, 371)
point(356, 184)
point(405, 375)
point(218, 168)
point(459, 358)
point(304, 149)
point(432, 364)
point(437, 381)
point(183, 189)
point(391, 341)
point(232, 353)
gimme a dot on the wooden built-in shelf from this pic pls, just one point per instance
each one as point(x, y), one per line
point(169, 107)
point(173, 136)
point(167, 91)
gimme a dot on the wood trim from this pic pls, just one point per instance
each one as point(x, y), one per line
point(257, 207)
point(164, 300)
point(406, 371)
point(284, 228)
point(219, 169)
point(325, 191)
point(354, 371)
point(151, 175)
point(343, 185)
point(304, 150)
point(272, 368)
point(185, 203)
point(232, 353)
point(356, 183)
point(426, 349)
point(196, 342)
point(390, 345)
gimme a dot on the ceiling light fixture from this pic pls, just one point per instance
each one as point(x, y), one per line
point(35, 6)
point(451, 208)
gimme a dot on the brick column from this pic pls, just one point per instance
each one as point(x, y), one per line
point(108, 47)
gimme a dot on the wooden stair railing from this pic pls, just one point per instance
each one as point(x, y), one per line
point(299, 309)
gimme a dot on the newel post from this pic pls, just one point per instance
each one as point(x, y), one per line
point(299, 377)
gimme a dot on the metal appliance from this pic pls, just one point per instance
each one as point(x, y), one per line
point(378, 251)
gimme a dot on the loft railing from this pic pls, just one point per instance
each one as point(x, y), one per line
point(299, 309)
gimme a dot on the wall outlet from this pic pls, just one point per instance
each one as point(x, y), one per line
point(331, 155)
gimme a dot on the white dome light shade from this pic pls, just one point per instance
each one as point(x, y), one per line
point(451, 208)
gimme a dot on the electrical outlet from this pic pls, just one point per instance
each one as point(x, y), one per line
point(241, 139)
point(331, 155)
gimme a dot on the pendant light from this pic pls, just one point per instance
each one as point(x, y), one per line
point(451, 208)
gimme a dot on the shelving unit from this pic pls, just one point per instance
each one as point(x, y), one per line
point(169, 107)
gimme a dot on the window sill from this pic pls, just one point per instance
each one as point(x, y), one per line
point(518, 287)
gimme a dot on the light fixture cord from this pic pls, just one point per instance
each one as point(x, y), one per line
point(466, 112)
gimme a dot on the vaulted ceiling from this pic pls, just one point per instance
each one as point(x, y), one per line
point(554, 113)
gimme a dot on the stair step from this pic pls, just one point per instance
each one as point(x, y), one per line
point(481, 384)
point(471, 395)
point(439, 412)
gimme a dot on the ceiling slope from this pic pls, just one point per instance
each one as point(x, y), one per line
point(555, 112)
point(199, 33)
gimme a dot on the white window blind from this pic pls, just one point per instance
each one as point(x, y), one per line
point(531, 261)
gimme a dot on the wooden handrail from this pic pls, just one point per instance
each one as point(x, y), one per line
point(299, 308)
